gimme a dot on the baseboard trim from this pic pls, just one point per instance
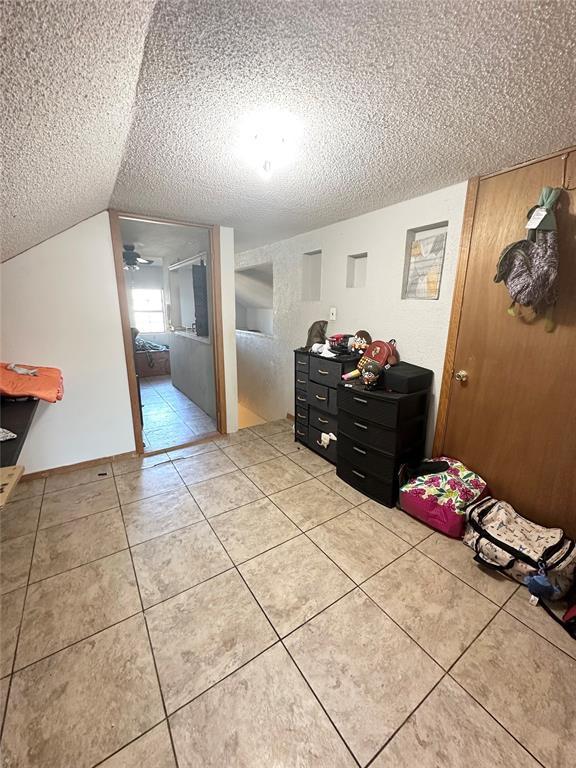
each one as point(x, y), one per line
point(116, 457)
point(80, 465)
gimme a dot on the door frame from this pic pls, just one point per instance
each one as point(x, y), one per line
point(216, 316)
point(458, 294)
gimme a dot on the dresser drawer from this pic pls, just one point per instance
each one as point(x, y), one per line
point(390, 441)
point(325, 422)
point(301, 397)
point(302, 414)
point(386, 408)
point(359, 404)
point(301, 433)
point(301, 362)
point(301, 381)
point(328, 453)
point(383, 492)
point(367, 459)
point(323, 398)
point(325, 371)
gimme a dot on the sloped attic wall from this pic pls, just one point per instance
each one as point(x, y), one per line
point(69, 71)
point(60, 308)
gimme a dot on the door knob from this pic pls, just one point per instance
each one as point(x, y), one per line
point(461, 376)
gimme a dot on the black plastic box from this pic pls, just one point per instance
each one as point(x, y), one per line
point(405, 378)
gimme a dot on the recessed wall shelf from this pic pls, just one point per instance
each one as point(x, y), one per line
point(356, 267)
point(311, 275)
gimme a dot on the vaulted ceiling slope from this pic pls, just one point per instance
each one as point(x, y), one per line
point(69, 75)
point(395, 97)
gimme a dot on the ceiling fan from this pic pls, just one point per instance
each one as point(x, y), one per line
point(132, 259)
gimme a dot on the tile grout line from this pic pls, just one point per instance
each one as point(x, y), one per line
point(301, 532)
point(77, 642)
point(495, 719)
point(359, 586)
point(320, 702)
point(80, 517)
point(11, 678)
point(115, 623)
point(129, 743)
point(403, 723)
point(280, 639)
point(76, 567)
point(148, 635)
point(499, 605)
point(445, 671)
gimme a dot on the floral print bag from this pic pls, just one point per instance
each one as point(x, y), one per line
point(440, 500)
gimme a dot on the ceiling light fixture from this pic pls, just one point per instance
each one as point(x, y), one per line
point(269, 140)
point(132, 259)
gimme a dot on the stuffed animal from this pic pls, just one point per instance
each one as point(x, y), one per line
point(382, 352)
point(370, 373)
point(360, 341)
point(317, 333)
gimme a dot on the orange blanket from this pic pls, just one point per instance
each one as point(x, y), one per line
point(47, 385)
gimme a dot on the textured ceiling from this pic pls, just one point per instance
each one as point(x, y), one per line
point(164, 241)
point(395, 98)
point(69, 75)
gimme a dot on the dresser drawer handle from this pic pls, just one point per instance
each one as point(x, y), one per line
point(302, 362)
point(301, 399)
point(354, 472)
point(301, 434)
point(300, 381)
point(360, 426)
point(318, 397)
point(321, 420)
point(361, 400)
point(358, 450)
point(324, 373)
point(300, 415)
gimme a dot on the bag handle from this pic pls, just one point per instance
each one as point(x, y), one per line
point(487, 564)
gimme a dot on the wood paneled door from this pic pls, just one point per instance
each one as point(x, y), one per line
point(512, 415)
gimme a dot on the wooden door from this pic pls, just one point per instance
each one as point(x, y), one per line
point(514, 419)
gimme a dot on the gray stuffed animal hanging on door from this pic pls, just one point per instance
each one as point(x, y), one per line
point(529, 268)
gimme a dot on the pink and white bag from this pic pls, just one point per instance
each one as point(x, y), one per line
point(440, 500)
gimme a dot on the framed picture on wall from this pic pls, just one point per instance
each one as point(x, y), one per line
point(425, 248)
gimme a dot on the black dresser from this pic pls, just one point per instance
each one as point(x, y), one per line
point(316, 382)
point(379, 430)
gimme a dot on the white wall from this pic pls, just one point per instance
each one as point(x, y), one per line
point(60, 308)
point(265, 365)
point(228, 297)
point(260, 320)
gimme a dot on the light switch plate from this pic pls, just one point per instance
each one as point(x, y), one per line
point(332, 315)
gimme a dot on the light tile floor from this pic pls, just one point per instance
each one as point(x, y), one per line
point(170, 418)
point(236, 605)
